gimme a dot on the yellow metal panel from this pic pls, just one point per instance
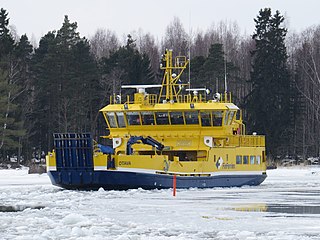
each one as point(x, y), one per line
point(154, 162)
point(100, 160)
point(192, 167)
point(228, 155)
point(51, 161)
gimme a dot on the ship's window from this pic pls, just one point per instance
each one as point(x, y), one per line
point(205, 119)
point(147, 118)
point(245, 159)
point(191, 117)
point(217, 118)
point(176, 118)
point(226, 118)
point(111, 119)
point(258, 160)
point(252, 159)
point(162, 118)
point(231, 114)
point(120, 119)
point(238, 115)
point(133, 118)
point(239, 159)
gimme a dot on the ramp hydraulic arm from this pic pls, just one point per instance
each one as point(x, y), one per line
point(148, 140)
point(105, 149)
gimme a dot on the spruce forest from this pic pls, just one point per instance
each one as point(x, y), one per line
point(60, 83)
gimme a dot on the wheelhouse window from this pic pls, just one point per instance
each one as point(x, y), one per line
point(133, 118)
point(205, 119)
point(111, 119)
point(230, 117)
point(226, 118)
point(147, 118)
point(120, 119)
point(191, 117)
point(162, 118)
point(176, 118)
point(217, 118)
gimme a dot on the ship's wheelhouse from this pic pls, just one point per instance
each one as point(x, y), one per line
point(201, 118)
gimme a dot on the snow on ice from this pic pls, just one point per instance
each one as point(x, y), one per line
point(286, 206)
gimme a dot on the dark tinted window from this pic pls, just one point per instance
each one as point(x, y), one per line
point(205, 119)
point(191, 117)
point(176, 118)
point(162, 118)
point(133, 118)
point(147, 118)
point(217, 118)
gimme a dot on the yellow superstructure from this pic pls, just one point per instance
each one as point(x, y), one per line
point(195, 131)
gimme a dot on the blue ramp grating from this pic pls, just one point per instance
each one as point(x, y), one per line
point(73, 151)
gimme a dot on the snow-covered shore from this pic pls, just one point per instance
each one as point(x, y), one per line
point(285, 206)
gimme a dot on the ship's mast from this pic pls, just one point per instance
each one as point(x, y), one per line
point(172, 75)
point(168, 75)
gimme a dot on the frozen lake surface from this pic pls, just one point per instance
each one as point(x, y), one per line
point(285, 206)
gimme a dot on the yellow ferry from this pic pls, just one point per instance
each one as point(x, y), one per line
point(175, 135)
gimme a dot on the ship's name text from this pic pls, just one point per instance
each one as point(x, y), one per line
point(121, 163)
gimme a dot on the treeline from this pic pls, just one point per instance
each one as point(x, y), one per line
point(60, 85)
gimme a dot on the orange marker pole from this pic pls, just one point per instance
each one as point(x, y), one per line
point(174, 185)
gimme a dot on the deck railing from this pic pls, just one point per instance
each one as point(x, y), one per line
point(247, 141)
point(151, 99)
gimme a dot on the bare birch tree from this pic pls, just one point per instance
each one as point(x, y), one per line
point(146, 44)
point(103, 42)
point(176, 38)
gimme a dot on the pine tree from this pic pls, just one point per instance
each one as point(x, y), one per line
point(210, 72)
point(6, 40)
point(43, 115)
point(23, 52)
point(85, 80)
point(11, 121)
point(196, 67)
point(66, 39)
point(269, 102)
point(214, 68)
point(135, 67)
point(12, 129)
point(66, 85)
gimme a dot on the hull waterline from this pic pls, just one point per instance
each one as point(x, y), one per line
point(117, 180)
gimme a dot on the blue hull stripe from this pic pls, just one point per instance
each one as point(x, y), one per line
point(117, 180)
